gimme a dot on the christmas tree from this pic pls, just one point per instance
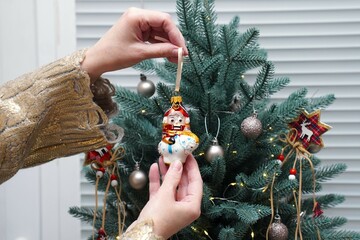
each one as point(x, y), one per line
point(247, 141)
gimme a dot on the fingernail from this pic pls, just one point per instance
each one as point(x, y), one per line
point(177, 165)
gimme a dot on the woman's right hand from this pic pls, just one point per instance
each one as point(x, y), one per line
point(133, 38)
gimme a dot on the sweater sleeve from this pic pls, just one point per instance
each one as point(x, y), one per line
point(142, 230)
point(47, 114)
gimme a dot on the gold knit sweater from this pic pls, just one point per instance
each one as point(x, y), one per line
point(46, 114)
point(49, 113)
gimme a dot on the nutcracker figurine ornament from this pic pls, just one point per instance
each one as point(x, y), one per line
point(177, 139)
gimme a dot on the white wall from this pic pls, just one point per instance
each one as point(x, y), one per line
point(34, 203)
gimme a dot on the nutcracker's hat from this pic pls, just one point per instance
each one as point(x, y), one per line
point(177, 105)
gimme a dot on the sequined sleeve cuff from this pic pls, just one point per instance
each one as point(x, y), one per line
point(141, 231)
point(46, 114)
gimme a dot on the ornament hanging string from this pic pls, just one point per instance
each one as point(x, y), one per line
point(121, 207)
point(179, 70)
point(180, 64)
point(96, 206)
point(137, 163)
point(271, 205)
point(110, 164)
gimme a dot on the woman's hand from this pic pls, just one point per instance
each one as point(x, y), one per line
point(133, 38)
point(177, 202)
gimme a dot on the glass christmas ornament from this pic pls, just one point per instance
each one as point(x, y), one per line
point(145, 87)
point(214, 151)
point(251, 127)
point(278, 230)
point(137, 178)
point(177, 139)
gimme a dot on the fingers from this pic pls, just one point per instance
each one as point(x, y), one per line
point(163, 167)
point(173, 176)
point(182, 188)
point(159, 50)
point(160, 21)
point(195, 186)
point(154, 180)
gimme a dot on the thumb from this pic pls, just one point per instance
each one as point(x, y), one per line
point(161, 50)
point(173, 175)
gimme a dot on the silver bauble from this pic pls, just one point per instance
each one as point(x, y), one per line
point(145, 87)
point(137, 179)
point(215, 150)
point(251, 127)
point(278, 230)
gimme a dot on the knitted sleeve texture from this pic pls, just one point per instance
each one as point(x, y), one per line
point(142, 230)
point(46, 114)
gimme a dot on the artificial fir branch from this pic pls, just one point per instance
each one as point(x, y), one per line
point(183, 9)
point(132, 102)
point(277, 84)
point(218, 169)
point(86, 214)
point(339, 235)
point(326, 173)
point(290, 108)
point(164, 92)
point(227, 233)
point(247, 40)
point(260, 88)
point(326, 201)
point(320, 102)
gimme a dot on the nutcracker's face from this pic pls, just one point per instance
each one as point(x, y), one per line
point(176, 119)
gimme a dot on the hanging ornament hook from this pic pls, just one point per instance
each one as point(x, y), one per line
point(137, 163)
point(215, 150)
point(218, 128)
point(138, 178)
